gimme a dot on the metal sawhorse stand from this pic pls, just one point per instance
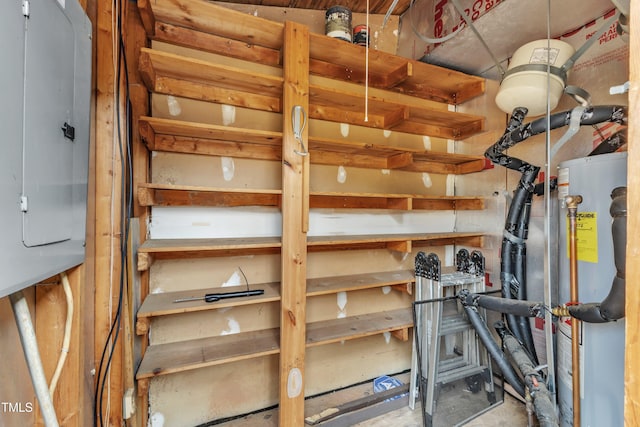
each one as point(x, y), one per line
point(446, 346)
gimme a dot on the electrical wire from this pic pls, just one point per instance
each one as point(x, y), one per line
point(126, 205)
point(67, 334)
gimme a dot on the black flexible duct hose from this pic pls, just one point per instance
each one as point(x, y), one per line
point(591, 116)
point(502, 305)
point(513, 262)
point(520, 262)
point(498, 356)
point(543, 405)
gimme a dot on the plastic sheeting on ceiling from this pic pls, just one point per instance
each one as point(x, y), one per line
point(504, 25)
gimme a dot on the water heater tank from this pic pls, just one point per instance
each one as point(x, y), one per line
point(601, 344)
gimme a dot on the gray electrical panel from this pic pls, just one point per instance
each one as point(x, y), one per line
point(44, 126)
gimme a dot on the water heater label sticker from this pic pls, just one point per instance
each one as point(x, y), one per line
point(587, 235)
point(542, 55)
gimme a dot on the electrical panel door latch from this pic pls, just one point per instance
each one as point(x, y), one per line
point(69, 131)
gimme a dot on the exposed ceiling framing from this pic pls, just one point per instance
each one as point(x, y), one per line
point(358, 6)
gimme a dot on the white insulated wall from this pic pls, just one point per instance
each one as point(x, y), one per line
point(195, 222)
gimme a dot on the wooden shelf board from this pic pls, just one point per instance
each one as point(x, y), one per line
point(193, 78)
point(220, 45)
point(352, 327)
point(346, 241)
point(198, 138)
point(228, 32)
point(347, 105)
point(331, 285)
point(151, 194)
point(361, 154)
point(162, 359)
point(187, 248)
point(213, 19)
point(393, 201)
point(209, 131)
point(153, 249)
point(392, 72)
point(174, 247)
point(180, 195)
point(162, 304)
point(178, 75)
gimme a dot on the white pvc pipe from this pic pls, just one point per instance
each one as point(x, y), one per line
point(32, 355)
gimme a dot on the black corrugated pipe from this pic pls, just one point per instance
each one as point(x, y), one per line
point(498, 356)
point(591, 116)
point(612, 307)
point(520, 257)
point(502, 305)
point(543, 405)
point(513, 262)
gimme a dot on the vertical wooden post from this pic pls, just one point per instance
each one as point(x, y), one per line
point(294, 238)
point(107, 206)
point(135, 38)
point(632, 345)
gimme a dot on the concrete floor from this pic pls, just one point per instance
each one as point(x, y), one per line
point(511, 413)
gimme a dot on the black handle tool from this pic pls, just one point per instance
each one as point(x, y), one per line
point(223, 295)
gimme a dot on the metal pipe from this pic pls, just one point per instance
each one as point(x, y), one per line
point(572, 213)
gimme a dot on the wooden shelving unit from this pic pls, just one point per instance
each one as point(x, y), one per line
point(324, 76)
